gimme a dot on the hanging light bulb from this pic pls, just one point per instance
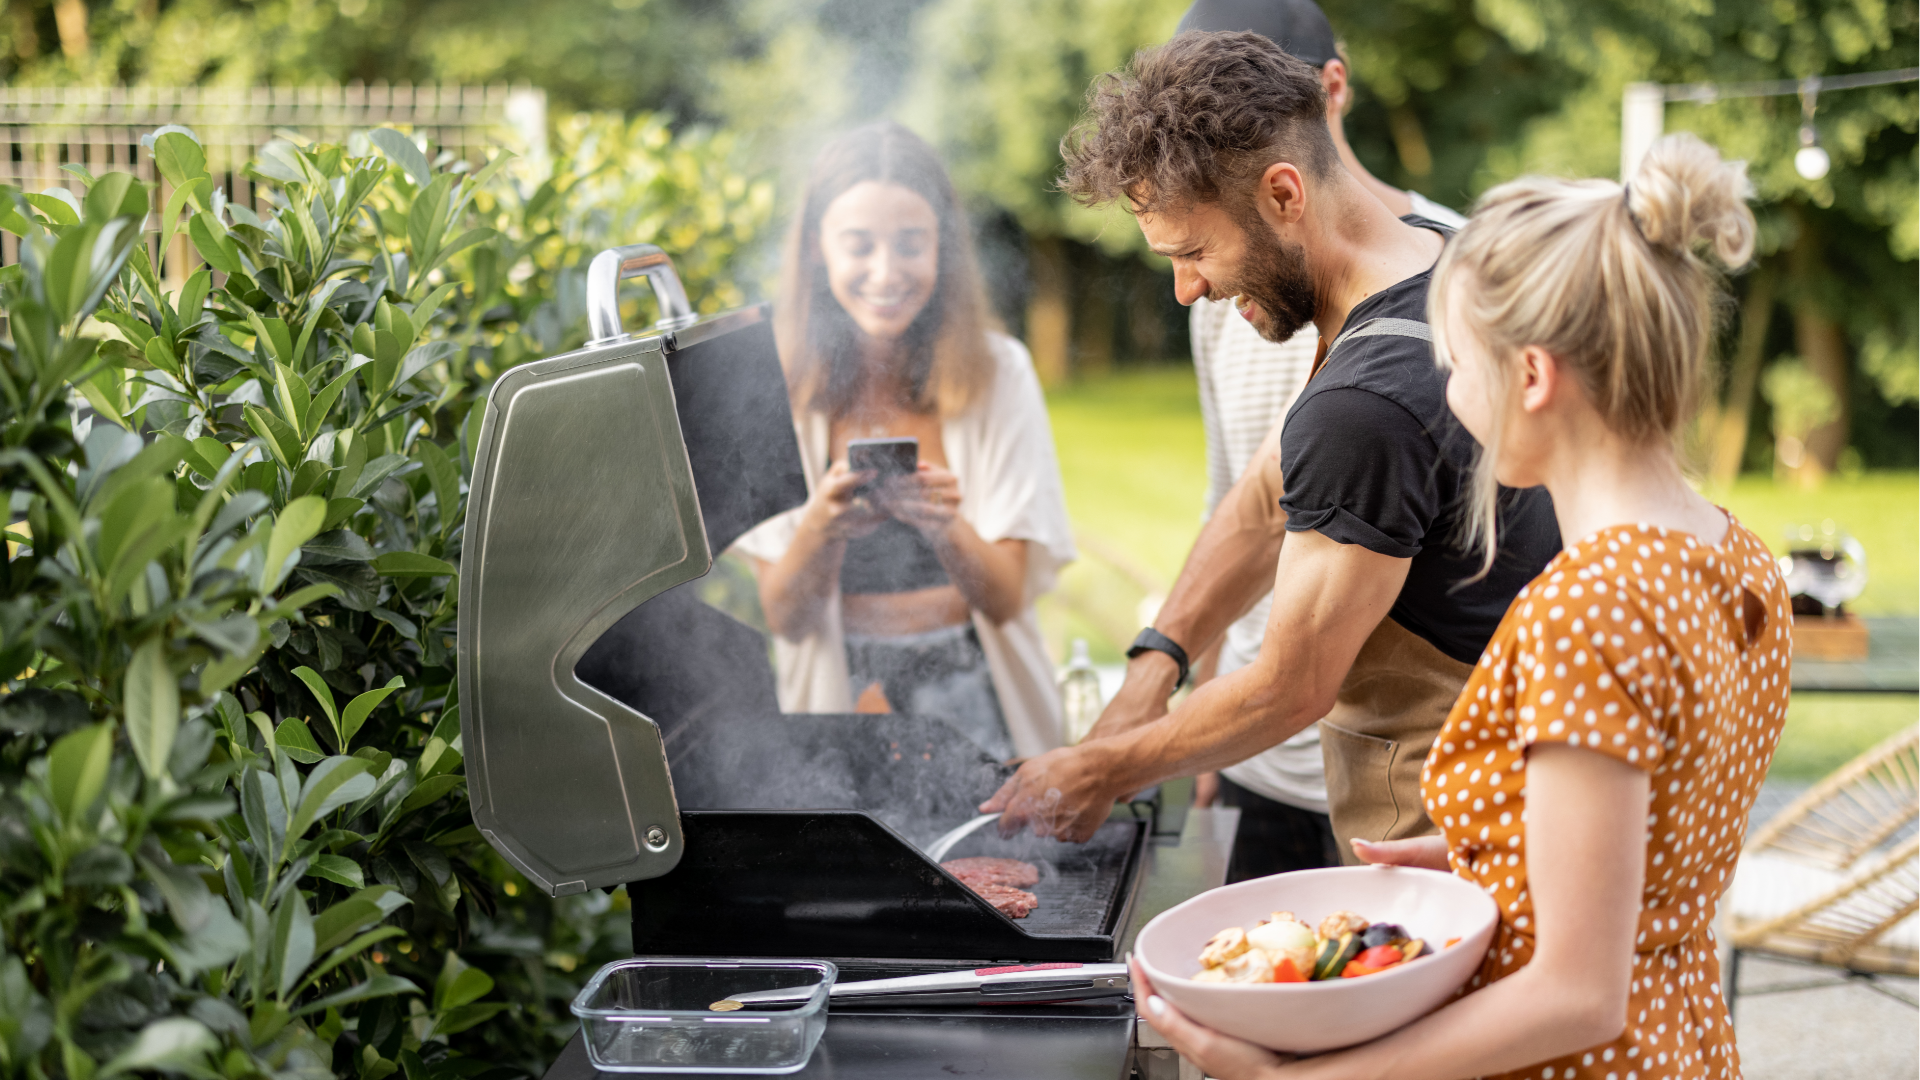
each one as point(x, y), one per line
point(1811, 160)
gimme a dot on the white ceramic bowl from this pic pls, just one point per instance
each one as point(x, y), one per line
point(1309, 1017)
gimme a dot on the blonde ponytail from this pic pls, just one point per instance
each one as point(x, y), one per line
point(1608, 279)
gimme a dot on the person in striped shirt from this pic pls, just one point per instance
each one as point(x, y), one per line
point(1246, 384)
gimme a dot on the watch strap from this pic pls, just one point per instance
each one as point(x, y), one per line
point(1151, 640)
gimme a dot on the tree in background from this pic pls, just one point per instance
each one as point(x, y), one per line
point(1454, 96)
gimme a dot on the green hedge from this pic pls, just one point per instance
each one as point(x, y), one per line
point(234, 835)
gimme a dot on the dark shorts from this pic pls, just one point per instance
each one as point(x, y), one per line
point(1274, 837)
point(941, 674)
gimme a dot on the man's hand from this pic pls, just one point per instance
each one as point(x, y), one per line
point(1063, 793)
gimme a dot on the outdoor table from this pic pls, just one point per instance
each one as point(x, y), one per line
point(1892, 665)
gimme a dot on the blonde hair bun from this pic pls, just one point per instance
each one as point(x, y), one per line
point(1684, 197)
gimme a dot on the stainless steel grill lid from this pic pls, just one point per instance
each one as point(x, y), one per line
point(584, 505)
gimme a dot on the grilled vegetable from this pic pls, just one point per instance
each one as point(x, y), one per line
point(1383, 933)
point(1340, 922)
point(1223, 947)
point(1334, 954)
point(1414, 949)
point(1380, 957)
point(1284, 971)
point(1286, 936)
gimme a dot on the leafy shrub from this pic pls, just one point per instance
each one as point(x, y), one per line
point(234, 836)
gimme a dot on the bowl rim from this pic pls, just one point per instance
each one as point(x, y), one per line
point(1398, 970)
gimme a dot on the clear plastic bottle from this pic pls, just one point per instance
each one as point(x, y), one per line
point(1080, 702)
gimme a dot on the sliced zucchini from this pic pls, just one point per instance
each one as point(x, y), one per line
point(1334, 954)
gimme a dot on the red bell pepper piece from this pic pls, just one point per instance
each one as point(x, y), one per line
point(1284, 971)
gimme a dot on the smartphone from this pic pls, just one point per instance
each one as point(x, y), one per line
point(883, 458)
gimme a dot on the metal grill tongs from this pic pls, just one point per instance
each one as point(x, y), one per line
point(1020, 984)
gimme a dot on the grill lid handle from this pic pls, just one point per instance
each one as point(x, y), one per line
point(615, 265)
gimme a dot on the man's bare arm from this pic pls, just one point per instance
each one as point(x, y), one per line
point(1329, 598)
point(1229, 569)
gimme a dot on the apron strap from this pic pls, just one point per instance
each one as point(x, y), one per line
point(1409, 328)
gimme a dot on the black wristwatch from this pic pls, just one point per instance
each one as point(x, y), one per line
point(1155, 641)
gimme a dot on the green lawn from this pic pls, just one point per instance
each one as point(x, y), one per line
point(1133, 458)
point(1881, 510)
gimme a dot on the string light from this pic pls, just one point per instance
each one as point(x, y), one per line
point(1811, 160)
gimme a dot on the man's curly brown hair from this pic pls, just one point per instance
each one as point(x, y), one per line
point(1195, 121)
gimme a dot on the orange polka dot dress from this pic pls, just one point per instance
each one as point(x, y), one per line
point(1650, 647)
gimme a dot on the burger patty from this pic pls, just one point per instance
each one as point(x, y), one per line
point(1007, 900)
point(999, 882)
point(981, 870)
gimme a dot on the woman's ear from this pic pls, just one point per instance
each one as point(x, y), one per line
point(1539, 379)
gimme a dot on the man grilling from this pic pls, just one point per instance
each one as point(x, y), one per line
point(1219, 144)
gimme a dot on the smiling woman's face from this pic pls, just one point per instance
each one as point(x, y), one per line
point(881, 246)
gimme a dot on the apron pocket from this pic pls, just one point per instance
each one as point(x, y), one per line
point(1360, 795)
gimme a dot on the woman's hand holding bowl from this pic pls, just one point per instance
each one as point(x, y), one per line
point(1221, 1057)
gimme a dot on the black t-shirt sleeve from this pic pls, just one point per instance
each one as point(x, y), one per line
point(1359, 470)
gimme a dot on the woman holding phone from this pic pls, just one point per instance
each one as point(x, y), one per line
point(896, 589)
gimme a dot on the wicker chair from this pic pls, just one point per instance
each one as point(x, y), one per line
point(1832, 881)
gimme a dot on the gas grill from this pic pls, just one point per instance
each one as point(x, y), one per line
point(620, 731)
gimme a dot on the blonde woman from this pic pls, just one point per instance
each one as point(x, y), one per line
point(1596, 774)
point(915, 594)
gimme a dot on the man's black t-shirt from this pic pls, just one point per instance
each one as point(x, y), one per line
point(1374, 457)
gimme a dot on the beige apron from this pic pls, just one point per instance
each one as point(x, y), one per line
point(1387, 714)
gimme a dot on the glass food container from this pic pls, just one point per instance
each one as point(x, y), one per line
point(654, 1016)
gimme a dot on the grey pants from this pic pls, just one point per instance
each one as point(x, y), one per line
point(941, 674)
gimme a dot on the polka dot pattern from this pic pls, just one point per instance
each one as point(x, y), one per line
point(1633, 643)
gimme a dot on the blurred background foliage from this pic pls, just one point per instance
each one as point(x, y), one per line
point(1454, 96)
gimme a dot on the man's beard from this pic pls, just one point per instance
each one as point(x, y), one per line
point(1275, 277)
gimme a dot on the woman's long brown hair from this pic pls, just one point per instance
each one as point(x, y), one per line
point(945, 353)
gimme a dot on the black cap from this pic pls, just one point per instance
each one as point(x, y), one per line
point(1298, 26)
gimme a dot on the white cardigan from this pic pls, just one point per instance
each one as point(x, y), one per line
point(1001, 450)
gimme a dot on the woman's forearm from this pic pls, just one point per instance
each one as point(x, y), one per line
point(795, 591)
point(1532, 1016)
point(991, 576)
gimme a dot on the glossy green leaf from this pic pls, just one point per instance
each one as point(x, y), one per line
point(339, 869)
point(179, 158)
point(293, 737)
point(429, 791)
point(175, 1044)
point(332, 927)
point(77, 770)
point(293, 940)
point(210, 239)
point(282, 441)
point(60, 211)
point(378, 986)
point(357, 710)
point(332, 784)
point(205, 456)
point(295, 525)
point(117, 194)
point(340, 511)
point(152, 706)
point(402, 151)
point(459, 984)
point(412, 564)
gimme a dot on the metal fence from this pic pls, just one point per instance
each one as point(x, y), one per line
point(45, 128)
